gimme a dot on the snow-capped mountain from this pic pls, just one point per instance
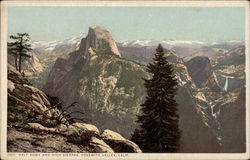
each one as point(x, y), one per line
point(169, 43)
point(166, 43)
point(51, 45)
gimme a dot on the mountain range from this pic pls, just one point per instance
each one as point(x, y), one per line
point(167, 43)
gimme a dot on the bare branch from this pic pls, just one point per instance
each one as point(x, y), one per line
point(80, 119)
point(75, 112)
point(52, 107)
point(69, 106)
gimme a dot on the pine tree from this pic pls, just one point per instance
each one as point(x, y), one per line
point(158, 130)
point(19, 48)
point(12, 49)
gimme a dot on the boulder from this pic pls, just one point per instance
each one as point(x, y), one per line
point(81, 132)
point(81, 128)
point(39, 127)
point(35, 126)
point(61, 128)
point(118, 143)
point(99, 146)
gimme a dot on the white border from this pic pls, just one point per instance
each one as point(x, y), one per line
point(128, 3)
point(3, 91)
point(6, 4)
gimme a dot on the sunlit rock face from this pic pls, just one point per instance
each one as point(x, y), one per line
point(100, 40)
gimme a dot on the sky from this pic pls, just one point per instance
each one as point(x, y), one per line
point(210, 24)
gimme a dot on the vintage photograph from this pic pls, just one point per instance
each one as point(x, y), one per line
point(125, 78)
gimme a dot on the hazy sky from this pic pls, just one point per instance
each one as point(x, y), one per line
point(130, 23)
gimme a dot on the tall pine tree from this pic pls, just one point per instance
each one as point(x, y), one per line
point(19, 48)
point(158, 131)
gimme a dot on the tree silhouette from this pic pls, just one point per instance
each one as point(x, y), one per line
point(158, 130)
point(19, 48)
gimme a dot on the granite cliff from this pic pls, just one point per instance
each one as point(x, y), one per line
point(111, 87)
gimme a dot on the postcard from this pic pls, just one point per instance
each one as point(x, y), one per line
point(125, 80)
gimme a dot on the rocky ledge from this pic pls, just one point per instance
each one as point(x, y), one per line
point(76, 137)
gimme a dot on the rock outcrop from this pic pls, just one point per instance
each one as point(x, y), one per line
point(200, 69)
point(100, 40)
